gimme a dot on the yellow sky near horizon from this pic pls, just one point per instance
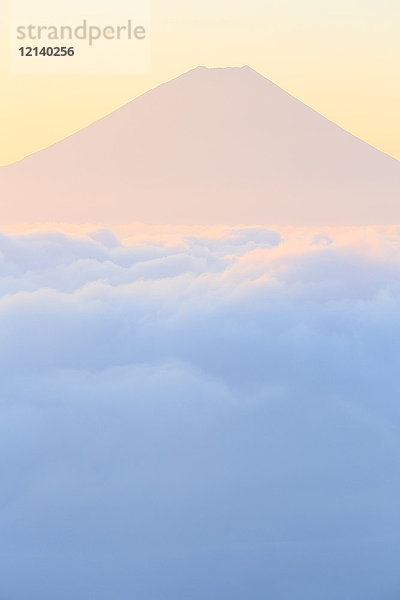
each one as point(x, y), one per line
point(339, 58)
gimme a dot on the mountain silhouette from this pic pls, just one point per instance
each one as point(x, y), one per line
point(220, 145)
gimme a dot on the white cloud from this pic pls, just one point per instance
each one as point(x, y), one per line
point(212, 417)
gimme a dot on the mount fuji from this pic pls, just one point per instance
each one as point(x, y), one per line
point(220, 145)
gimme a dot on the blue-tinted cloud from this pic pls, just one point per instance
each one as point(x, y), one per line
point(189, 421)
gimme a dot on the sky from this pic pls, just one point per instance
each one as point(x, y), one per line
point(196, 411)
point(339, 58)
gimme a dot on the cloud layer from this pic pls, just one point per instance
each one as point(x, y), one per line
point(200, 414)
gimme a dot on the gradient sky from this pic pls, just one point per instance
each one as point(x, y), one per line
point(340, 58)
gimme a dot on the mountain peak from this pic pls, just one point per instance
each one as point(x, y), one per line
point(222, 71)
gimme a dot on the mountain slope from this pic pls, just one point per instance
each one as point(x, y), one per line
point(213, 145)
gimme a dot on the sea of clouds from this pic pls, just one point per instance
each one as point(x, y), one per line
point(192, 414)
